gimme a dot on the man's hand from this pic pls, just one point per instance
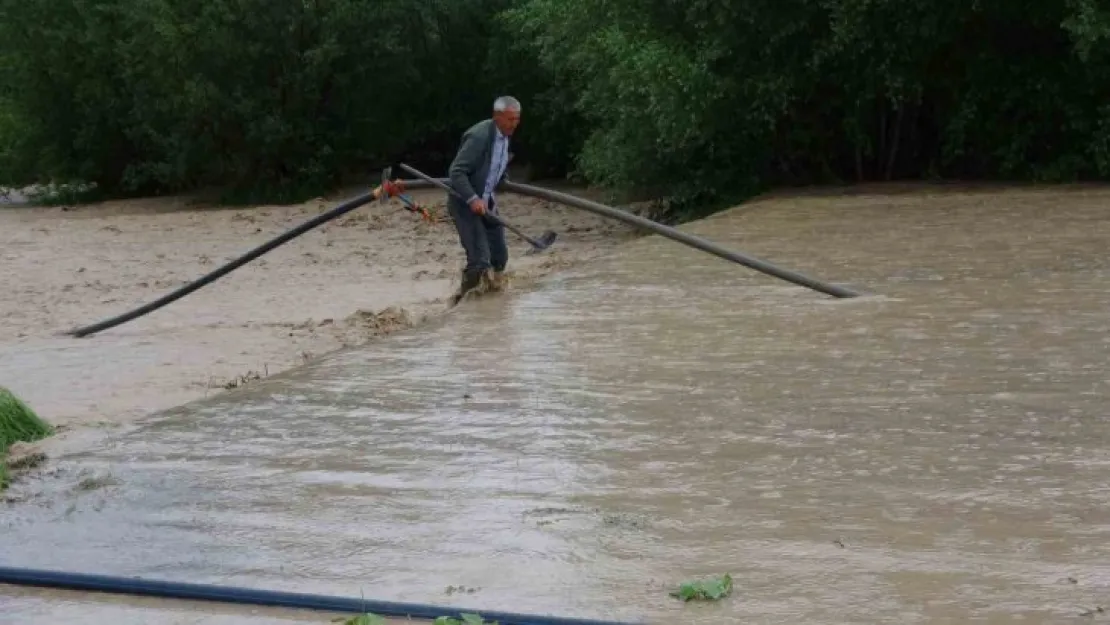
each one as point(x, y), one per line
point(478, 206)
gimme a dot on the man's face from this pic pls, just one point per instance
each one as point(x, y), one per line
point(506, 121)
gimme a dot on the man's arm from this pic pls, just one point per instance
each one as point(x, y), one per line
point(465, 163)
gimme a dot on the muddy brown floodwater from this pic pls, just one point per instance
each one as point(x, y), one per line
point(934, 452)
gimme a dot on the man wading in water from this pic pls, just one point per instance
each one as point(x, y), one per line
point(478, 168)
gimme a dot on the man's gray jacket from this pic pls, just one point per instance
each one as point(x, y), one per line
point(470, 168)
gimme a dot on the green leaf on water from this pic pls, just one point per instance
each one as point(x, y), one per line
point(706, 590)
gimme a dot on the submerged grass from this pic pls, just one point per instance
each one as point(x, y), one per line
point(18, 423)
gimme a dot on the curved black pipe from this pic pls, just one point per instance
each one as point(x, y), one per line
point(516, 187)
point(215, 274)
point(269, 598)
point(681, 237)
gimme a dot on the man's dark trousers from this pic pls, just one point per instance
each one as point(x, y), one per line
point(482, 239)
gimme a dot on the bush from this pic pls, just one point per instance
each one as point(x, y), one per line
point(700, 99)
point(271, 101)
point(691, 101)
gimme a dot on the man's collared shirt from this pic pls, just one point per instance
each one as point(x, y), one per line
point(499, 160)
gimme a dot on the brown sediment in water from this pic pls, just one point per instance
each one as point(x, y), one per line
point(366, 275)
point(934, 451)
point(23, 456)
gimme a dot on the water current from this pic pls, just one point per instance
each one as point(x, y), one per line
point(932, 452)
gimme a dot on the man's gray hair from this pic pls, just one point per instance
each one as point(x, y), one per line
point(506, 103)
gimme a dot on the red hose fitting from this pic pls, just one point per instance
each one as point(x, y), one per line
point(393, 188)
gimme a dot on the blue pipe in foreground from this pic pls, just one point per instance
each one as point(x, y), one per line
point(269, 598)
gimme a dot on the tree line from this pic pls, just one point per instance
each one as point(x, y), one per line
point(689, 100)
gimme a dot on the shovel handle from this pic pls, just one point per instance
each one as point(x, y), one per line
point(494, 218)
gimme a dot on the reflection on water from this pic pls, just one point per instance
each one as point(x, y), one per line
point(934, 452)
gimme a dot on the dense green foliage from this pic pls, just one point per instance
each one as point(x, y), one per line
point(689, 99)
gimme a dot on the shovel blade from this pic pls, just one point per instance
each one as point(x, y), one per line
point(545, 241)
point(548, 238)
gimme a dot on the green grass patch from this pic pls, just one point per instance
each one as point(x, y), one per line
point(18, 423)
point(713, 589)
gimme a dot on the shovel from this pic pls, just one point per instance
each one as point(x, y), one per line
point(538, 245)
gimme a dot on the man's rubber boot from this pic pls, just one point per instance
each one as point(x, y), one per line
point(497, 280)
point(470, 279)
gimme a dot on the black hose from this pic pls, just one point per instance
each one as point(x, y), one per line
point(212, 276)
point(681, 237)
point(523, 189)
point(269, 598)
